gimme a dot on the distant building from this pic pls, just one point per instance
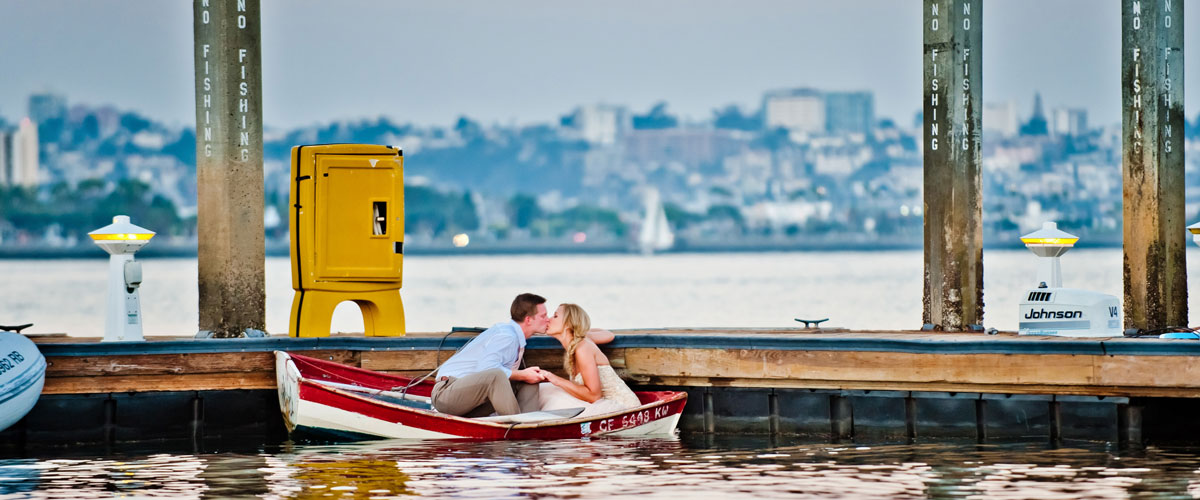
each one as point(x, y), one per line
point(849, 112)
point(600, 123)
point(1068, 122)
point(687, 146)
point(1037, 123)
point(781, 214)
point(1000, 118)
point(22, 168)
point(798, 110)
point(5, 157)
point(47, 106)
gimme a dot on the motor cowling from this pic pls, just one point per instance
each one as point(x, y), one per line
point(1069, 312)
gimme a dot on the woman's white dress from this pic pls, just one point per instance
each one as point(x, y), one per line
point(615, 395)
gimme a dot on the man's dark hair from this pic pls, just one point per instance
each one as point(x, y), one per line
point(525, 305)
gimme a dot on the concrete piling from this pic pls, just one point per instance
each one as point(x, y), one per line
point(953, 113)
point(1155, 270)
point(229, 165)
point(1129, 424)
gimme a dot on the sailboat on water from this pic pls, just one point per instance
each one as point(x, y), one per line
point(655, 234)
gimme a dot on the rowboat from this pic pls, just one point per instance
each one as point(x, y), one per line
point(324, 399)
point(22, 373)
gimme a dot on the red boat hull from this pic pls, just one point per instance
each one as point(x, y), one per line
point(309, 404)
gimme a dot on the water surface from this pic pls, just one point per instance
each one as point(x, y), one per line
point(699, 466)
point(860, 290)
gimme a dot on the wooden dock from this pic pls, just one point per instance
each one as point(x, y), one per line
point(837, 385)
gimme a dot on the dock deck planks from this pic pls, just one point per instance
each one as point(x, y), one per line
point(763, 358)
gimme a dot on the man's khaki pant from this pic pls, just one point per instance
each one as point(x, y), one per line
point(480, 394)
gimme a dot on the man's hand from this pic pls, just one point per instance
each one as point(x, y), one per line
point(531, 375)
point(549, 376)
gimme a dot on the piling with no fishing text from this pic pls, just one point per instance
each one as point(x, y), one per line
point(952, 110)
point(1155, 271)
point(229, 165)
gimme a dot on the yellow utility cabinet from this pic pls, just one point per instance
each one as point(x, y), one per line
point(347, 231)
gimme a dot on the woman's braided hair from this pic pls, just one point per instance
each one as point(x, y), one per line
point(576, 321)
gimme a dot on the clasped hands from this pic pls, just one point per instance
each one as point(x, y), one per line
point(534, 375)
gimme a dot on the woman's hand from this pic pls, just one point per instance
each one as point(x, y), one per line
point(587, 393)
point(551, 377)
point(600, 336)
point(531, 375)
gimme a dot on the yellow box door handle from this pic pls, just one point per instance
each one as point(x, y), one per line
point(379, 214)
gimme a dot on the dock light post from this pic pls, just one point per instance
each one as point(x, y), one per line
point(121, 240)
point(1049, 243)
point(1051, 309)
point(1195, 230)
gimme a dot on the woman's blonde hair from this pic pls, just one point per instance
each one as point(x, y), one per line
point(576, 321)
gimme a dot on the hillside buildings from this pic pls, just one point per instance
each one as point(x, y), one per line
point(813, 111)
point(806, 164)
point(19, 164)
point(797, 110)
point(1068, 122)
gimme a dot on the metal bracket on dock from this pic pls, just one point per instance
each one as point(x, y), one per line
point(812, 323)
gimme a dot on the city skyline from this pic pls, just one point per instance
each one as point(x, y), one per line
point(491, 62)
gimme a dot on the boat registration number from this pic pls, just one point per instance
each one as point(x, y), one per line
point(630, 420)
point(11, 361)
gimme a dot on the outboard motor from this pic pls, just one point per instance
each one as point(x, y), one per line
point(1051, 309)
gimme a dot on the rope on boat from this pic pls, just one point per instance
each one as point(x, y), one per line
point(375, 392)
point(437, 357)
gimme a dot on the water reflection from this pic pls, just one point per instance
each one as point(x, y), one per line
point(154, 476)
point(701, 467)
point(320, 475)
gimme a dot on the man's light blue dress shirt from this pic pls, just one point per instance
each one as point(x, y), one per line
point(497, 347)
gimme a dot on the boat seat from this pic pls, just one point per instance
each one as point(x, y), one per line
point(812, 323)
point(420, 405)
point(15, 328)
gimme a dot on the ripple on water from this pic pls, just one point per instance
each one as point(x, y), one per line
point(607, 468)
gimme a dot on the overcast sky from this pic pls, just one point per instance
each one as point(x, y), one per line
point(523, 61)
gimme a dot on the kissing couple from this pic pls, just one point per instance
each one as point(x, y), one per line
point(485, 376)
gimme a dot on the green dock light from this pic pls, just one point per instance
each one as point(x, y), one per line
point(1049, 243)
point(121, 240)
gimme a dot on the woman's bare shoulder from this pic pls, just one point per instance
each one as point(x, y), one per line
point(586, 347)
point(589, 348)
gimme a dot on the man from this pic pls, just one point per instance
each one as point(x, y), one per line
point(484, 376)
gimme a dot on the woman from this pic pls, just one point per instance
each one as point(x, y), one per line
point(593, 384)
